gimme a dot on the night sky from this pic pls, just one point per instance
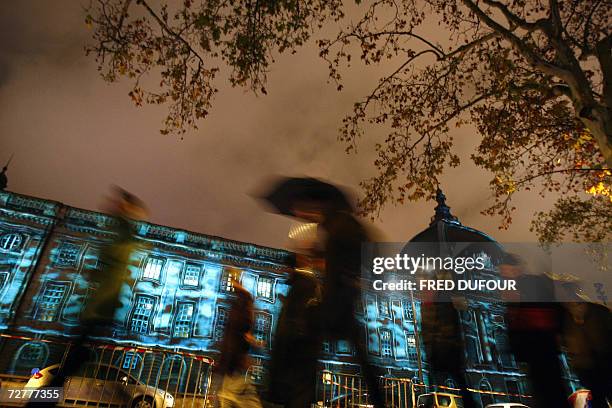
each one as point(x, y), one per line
point(73, 135)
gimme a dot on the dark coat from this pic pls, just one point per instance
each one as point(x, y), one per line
point(589, 342)
point(296, 342)
point(341, 280)
point(235, 345)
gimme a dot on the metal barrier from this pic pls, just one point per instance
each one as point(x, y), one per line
point(341, 390)
point(338, 390)
point(127, 376)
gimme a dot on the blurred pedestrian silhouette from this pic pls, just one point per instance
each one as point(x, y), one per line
point(322, 203)
point(534, 326)
point(236, 392)
point(587, 337)
point(293, 368)
point(99, 312)
point(98, 315)
point(441, 334)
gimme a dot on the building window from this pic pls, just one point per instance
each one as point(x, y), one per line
point(68, 254)
point(51, 301)
point(502, 348)
point(191, 276)
point(3, 279)
point(265, 287)
point(263, 324)
point(183, 320)
point(344, 347)
point(220, 323)
point(473, 353)
point(228, 277)
point(326, 347)
point(513, 388)
point(143, 310)
point(131, 361)
point(413, 357)
point(152, 269)
point(408, 312)
point(383, 308)
point(172, 373)
point(11, 241)
point(256, 374)
point(485, 397)
point(386, 344)
point(410, 340)
point(411, 350)
point(29, 356)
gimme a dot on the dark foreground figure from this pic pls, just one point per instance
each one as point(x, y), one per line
point(441, 335)
point(587, 336)
point(534, 329)
point(342, 290)
point(333, 318)
point(293, 368)
point(235, 392)
point(99, 313)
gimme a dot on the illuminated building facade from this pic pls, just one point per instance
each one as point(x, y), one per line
point(177, 297)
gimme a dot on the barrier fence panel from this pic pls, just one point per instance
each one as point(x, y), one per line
point(126, 376)
point(117, 376)
point(338, 390)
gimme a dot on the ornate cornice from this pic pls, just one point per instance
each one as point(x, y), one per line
point(84, 221)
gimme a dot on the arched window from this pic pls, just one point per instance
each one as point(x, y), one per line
point(485, 397)
point(11, 241)
point(172, 373)
point(29, 356)
point(502, 348)
point(450, 383)
point(132, 363)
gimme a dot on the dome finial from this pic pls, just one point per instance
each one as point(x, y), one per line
point(442, 210)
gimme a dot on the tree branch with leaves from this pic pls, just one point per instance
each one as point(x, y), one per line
point(533, 78)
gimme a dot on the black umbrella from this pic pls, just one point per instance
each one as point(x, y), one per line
point(288, 191)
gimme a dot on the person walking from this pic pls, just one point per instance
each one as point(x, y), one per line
point(534, 327)
point(236, 391)
point(442, 338)
point(98, 315)
point(342, 237)
point(587, 337)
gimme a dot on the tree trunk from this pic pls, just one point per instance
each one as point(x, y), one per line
point(599, 123)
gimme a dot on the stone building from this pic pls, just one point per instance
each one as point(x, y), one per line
point(177, 297)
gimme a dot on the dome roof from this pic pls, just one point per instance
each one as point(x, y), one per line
point(445, 228)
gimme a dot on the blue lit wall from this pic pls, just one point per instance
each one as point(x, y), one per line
point(48, 253)
point(177, 294)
